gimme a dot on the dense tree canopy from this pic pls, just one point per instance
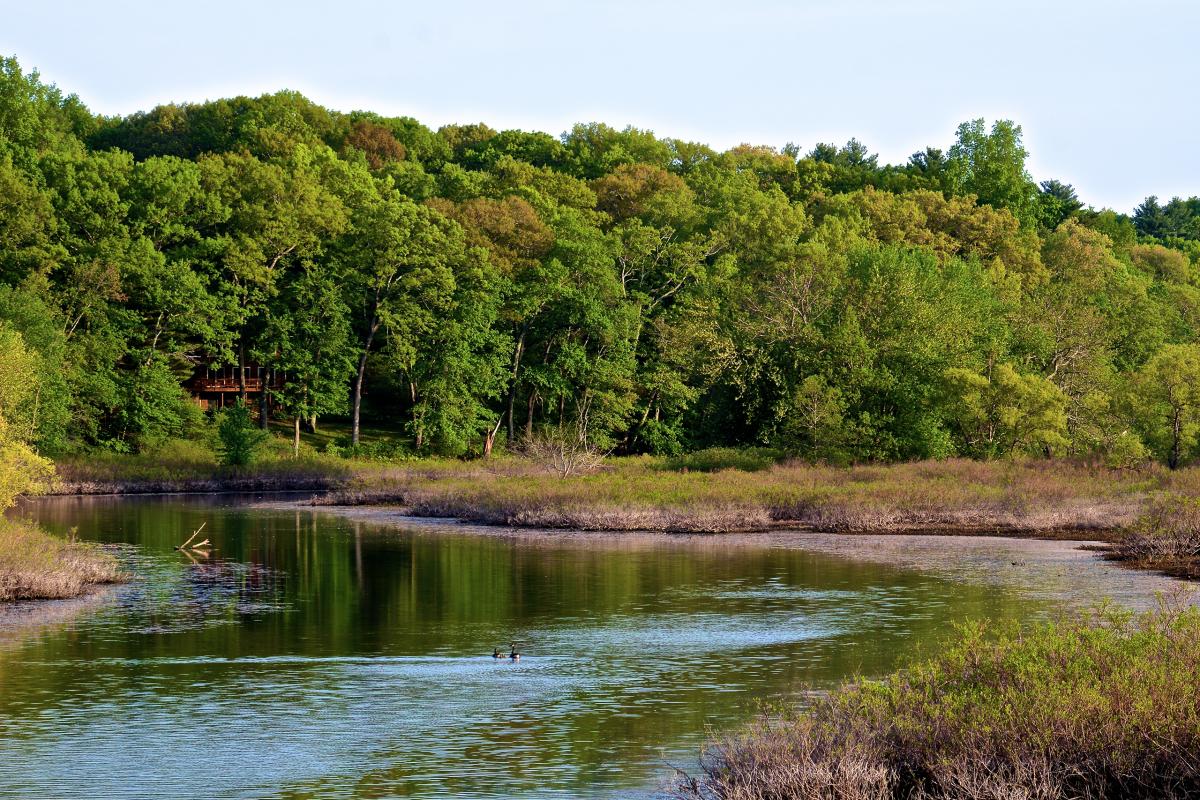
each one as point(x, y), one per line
point(474, 286)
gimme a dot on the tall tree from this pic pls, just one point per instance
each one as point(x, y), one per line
point(401, 260)
point(991, 166)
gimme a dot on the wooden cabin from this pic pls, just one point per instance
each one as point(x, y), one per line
point(217, 387)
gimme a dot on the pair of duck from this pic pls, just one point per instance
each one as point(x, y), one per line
point(513, 654)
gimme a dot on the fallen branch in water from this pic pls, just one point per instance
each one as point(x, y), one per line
point(198, 545)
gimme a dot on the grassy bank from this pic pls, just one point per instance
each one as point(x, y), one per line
point(37, 565)
point(183, 466)
point(1104, 709)
point(1151, 514)
point(650, 494)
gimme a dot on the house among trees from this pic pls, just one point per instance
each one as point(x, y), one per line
point(217, 387)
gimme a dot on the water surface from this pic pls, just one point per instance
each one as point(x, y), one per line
point(313, 655)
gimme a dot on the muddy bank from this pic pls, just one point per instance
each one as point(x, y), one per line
point(1069, 520)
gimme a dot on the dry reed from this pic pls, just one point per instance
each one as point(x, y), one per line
point(37, 565)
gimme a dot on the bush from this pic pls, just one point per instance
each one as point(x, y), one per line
point(562, 451)
point(378, 450)
point(238, 436)
point(1168, 534)
point(1106, 708)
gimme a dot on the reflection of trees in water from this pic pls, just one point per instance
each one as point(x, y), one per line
point(170, 597)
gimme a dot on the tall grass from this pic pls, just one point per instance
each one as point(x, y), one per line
point(37, 565)
point(187, 466)
point(710, 491)
point(1108, 708)
point(641, 494)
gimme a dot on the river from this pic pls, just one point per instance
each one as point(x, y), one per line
point(322, 655)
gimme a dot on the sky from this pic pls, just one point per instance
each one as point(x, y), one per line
point(1106, 91)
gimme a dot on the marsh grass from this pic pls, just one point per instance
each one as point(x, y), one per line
point(709, 491)
point(1166, 537)
point(1103, 708)
point(184, 466)
point(36, 565)
point(642, 494)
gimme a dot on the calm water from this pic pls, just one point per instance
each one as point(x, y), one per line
point(316, 656)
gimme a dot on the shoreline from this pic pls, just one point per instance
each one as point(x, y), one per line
point(36, 565)
point(1045, 567)
point(215, 485)
point(1034, 499)
point(1068, 532)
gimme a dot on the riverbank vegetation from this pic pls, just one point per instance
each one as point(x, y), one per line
point(1029, 496)
point(1098, 709)
point(470, 289)
point(34, 564)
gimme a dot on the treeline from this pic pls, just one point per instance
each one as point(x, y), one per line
point(642, 294)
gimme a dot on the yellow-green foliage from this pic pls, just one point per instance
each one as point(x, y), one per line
point(21, 470)
point(1007, 412)
point(34, 564)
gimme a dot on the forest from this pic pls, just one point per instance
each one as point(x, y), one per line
point(475, 288)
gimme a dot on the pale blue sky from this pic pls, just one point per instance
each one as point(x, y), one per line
point(1106, 91)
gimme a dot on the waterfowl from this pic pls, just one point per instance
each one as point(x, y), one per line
point(497, 654)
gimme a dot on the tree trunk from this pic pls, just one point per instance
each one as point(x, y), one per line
point(489, 439)
point(359, 377)
point(418, 433)
point(512, 389)
point(632, 434)
point(529, 416)
point(296, 436)
point(242, 371)
point(1176, 435)
point(264, 406)
point(312, 423)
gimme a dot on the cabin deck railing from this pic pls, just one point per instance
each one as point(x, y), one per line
point(232, 384)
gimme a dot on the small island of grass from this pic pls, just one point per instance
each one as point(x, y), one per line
point(35, 565)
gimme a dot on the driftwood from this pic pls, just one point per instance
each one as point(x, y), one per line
point(198, 546)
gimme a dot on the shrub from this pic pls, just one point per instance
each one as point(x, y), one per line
point(1167, 534)
point(1104, 708)
point(378, 450)
point(562, 451)
point(238, 436)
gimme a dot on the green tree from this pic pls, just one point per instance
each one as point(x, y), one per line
point(307, 337)
point(237, 435)
point(1056, 202)
point(1164, 401)
point(991, 166)
point(1005, 412)
point(400, 258)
